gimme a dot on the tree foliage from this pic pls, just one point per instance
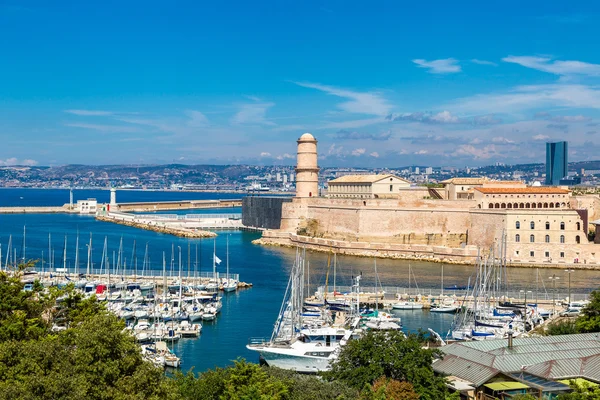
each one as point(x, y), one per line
point(589, 320)
point(391, 355)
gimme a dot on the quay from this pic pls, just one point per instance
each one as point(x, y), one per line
point(176, 205)
point(385, 297)
point(190, 225)
point(156, 278)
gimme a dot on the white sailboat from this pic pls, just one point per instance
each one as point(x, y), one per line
point(230, 285)
point(447, 304)
point(408, 305)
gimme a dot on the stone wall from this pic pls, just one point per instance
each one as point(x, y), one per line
point(263, 212)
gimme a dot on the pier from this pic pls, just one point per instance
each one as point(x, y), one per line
point(176, 205)
point(189, 225)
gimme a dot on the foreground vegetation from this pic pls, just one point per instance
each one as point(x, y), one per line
point(587, 322)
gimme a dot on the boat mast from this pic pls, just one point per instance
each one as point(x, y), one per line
point(442, 279)
point(65, 256)
point(23, 244)
point(215, 259)
point(77, 254)
point(227, 257)
point(89, 255)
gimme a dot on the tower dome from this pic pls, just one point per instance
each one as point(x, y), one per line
point(307, 170)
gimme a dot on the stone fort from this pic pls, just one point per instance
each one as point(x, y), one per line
point(385, 216)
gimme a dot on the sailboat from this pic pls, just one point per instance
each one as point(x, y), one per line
point(213, 284)
point(447, 304)
point(408, 305)
point(230, 285)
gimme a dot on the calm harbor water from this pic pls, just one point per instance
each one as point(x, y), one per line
point(249, 312)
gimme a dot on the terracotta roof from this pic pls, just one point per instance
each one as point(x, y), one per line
point(525, 190)
point(363, 178)
point(466, 181)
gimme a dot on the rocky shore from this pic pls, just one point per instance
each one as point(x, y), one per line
point(181, 232)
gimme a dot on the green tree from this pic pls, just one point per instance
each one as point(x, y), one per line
point(565, 327)
point(247, 381)
point(389, 389)
point(589, 320)
point(584, 391)
point(391, 355)
point(310, 387)
point(23, 314)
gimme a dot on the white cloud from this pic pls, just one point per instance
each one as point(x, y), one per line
point(253, 114)
point(284, 156)
point(91, 113)
point(358, 152)
point(523, 98)
point(445, 117)
point(556, 67)
point(443, 66)
point(371, 103)
point(335, 150)
point(571, 118)
point(105, 128)
point(197, 119)
point(483, 62)
point(422, 151)
point(478, 153)
point(352, 124)
point(374, 154)
point(540, 137)
point(502, 140)
point(15, 161)
point(265, 154)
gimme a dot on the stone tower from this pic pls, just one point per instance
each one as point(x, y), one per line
point(307, 170)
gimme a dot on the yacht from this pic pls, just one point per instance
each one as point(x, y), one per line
point(297, 344)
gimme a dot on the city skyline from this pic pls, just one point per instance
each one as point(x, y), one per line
point(377, 85)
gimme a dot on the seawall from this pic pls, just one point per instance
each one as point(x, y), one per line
point(465, 255)
point(181, 232)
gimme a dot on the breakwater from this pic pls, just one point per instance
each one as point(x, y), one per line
point(170, 230)
point(34, 210)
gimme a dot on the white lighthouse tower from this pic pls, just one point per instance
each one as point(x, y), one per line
point(307, 170)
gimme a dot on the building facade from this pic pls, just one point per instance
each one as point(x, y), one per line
point(366, 186)
point(89, 206)
point(556, 162)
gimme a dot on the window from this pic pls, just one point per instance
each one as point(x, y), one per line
point(562, 238)
point(517, 238)
point(578, 226)
point(547, 238)
point(532, 225)
point(516, 252)
point(577, 239)
point(562, 226)
point(391, 188)
point(547, 254)
point(547, 226)
point(562, 254)
point(517, 225)
point(532, 254)
point(531, 238)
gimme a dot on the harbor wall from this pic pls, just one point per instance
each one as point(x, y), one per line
point(465, 255)
point(263, 212)
point(177, 205)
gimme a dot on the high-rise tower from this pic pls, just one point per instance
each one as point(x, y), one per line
point(557, 162)
point(307, 170)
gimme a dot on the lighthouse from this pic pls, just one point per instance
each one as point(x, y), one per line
point(307, 170)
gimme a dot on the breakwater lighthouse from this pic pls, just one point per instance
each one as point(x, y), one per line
point(307, 170)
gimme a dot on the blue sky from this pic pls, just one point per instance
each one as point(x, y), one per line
point(380, 83)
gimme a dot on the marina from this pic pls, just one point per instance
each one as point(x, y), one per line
point(251, 313)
